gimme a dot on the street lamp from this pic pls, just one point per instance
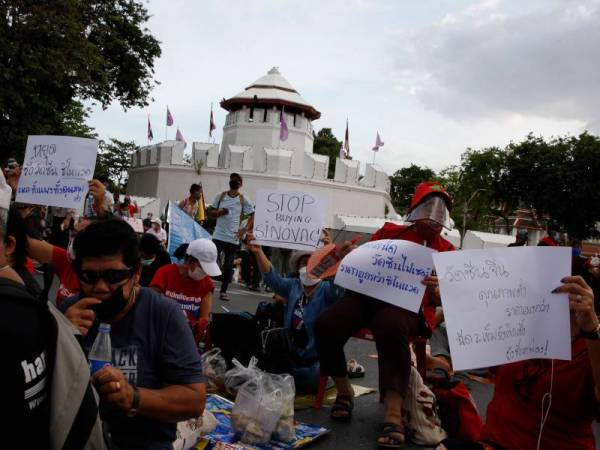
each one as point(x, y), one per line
point(466, 208)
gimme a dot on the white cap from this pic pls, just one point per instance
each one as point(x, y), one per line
point(205, 251)
point(156, 220)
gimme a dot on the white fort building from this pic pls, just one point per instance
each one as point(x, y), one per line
point(251, 147)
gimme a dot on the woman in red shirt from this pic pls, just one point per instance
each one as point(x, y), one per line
point(189, 283)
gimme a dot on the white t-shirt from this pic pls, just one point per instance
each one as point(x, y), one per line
point(161, 235)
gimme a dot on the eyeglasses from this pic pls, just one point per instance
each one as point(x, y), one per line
point(111, 276)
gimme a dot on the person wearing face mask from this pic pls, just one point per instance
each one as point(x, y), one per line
point(155, 377)
point(158, 231)
point(552, 239)
point(229, 208)
point(306, 299)
point(153, 255)
point(392, 326)
point(190, 283)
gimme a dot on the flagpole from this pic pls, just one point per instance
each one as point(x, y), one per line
point(374, 153)
point(210, 122)
point(148, 126)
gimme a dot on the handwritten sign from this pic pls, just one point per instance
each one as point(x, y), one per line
point(390, 270)
point(135, 223)
point(499, 307)
point(289, 219)
point(56, 170)
point(182, 229)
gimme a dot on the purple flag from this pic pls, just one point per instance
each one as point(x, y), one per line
point(347, 140)
point(179, 136)
point(169, 117)
point(212, 125)
point(150, 135)
point(283, 129)
point(378, 143)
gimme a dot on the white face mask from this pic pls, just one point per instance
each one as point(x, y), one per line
point(305, 280)
point(197, 273)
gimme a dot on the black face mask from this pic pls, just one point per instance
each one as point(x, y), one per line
point(234, 184)
point(111, 307)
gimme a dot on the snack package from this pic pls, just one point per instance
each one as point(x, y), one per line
point(238, 375)
point(214, 368)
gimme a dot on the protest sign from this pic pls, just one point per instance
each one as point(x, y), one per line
point(289, 219)
point(390, 270)
point(135, 223)
point(56, 170)
point(499, 307)
point(182, 229)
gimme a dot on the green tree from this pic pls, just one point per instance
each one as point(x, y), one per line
point(74, 121)
point(326, 143)
point(114, 160)
point(52, 53)
point(403, 183)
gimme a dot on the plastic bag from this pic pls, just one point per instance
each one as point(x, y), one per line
point(284, 429)
point(238, 375)
point(214, 368)
point(257, 409)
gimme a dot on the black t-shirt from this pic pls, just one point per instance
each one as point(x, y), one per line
point(162, 259)
point(26, 336)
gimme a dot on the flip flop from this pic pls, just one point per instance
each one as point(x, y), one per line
point(355, 370)
point(391, 431)
point(223, 296)
point(343, 403)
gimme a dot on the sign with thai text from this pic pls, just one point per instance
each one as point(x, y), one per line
point(289, 219)
point(56, 170)
point(390, 270)
point(499, 306)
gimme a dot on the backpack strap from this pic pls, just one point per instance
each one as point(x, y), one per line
point(221, 199)
point(241, 208)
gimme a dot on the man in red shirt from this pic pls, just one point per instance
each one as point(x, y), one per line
point(190, 285)
point(392, 326)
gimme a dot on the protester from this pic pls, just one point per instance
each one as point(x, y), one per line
point(96, 206)
point(153, 255)
point(189, 283)
point(552, 239)
point(158, 232)
point(249, 269)
point(15, 244)
point(61, 259)
point(229, 208)
point(146, 224)
point(520, 239)
point(193, 205)
point(44, 369)
point(392, 326)
point(515, 412)
point(306, 300)
point(155, 379)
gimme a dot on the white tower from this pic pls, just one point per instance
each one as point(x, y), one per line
point(253, 124)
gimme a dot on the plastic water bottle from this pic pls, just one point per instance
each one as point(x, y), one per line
point(101, 354)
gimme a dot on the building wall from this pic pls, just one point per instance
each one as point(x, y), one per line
point(238, 130)
point(173, 182)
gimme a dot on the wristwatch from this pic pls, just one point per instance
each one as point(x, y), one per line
point(135, 403)
point(591, 335)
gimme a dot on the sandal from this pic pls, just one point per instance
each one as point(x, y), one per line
point(355, 370)
point(343, 403)
point(391, 432)
point(223, 296)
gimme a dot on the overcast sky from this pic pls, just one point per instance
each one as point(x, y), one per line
point(434, 77)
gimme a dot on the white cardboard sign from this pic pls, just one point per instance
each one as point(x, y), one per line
point(289, 219)
point(390, 270)
point(56, 170)
point(499, 307)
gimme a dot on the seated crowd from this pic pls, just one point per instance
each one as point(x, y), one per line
point(108, 274)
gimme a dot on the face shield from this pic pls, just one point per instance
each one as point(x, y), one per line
point(435, 209)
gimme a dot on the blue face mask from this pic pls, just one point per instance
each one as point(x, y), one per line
point(147, 262)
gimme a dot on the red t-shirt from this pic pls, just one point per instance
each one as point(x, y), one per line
point(391, 230)
point(69, 280)
point(513, 415)
point(185, 291)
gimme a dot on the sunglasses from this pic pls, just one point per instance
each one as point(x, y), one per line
point(111, 276)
